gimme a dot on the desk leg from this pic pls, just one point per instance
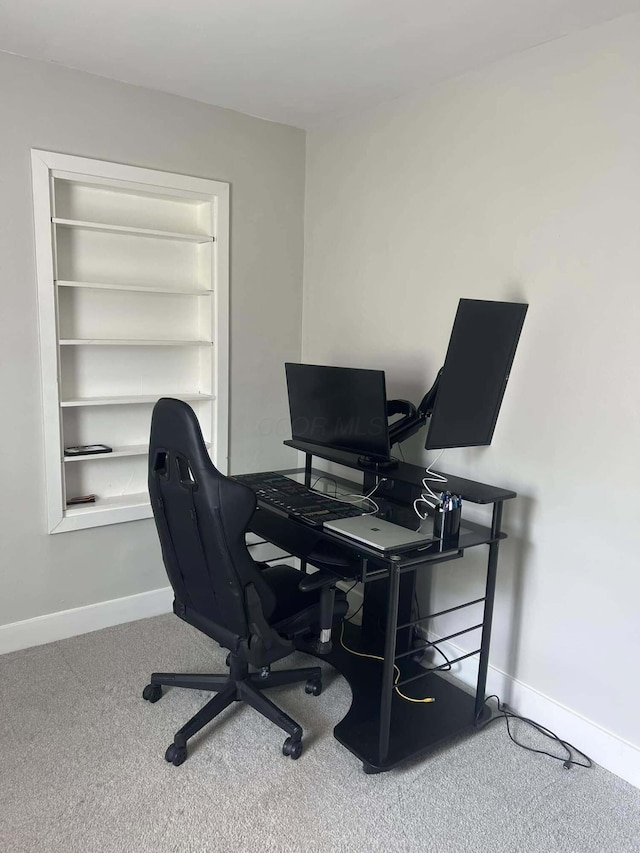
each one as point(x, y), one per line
point(386, 697)
point(308, 459)
point(492, 570)
point(374, 613)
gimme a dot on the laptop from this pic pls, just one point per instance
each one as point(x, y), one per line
point(378, 534)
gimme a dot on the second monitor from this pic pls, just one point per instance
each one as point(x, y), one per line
point(340, 407)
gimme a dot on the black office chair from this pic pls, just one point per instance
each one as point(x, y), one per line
point(259, 613)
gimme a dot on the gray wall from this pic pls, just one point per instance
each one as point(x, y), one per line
point(518, 181)
point(45, 106)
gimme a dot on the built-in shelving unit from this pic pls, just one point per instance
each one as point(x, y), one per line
point(132, 271)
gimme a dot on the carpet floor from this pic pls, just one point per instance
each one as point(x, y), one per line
point(83, 769)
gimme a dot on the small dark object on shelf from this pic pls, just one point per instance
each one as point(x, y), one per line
point(81, 499)
point(87, 449)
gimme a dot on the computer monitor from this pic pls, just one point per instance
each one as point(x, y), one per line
point(340, 407)
point(476, 369)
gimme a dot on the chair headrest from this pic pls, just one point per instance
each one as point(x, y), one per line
point(174, 426)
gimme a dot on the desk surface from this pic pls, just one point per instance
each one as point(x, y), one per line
point(405, 472)
point(316, 545)
point(320, 546)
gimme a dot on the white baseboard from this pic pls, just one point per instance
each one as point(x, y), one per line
point(81, 620)
point(605, 748)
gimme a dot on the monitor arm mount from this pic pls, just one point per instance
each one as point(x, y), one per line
point(413, 418)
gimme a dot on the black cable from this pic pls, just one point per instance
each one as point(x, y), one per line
point(355, 613)
point(330, 479)
point(569, 748)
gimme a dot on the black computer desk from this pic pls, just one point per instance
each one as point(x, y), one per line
point(381, 728)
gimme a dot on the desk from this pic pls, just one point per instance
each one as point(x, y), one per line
point(381, 728)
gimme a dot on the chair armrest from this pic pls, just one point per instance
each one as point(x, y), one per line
point(317, 580)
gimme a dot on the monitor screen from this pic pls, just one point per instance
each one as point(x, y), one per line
point(481, 349)
point(340, 407)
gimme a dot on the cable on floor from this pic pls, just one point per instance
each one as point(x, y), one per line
point(569, 748)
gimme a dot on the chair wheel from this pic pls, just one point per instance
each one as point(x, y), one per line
point(313, 687)
point(176, 755)
point(292, 748)
point(152, 692)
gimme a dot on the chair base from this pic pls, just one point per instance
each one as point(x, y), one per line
point(237, 686)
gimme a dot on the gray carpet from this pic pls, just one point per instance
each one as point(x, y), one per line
point(82, 769)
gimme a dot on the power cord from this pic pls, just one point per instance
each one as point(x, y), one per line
point(428, 496)
point(570, 749)
point(355, 612)
point(329, 480)
point(395, 667)
point(357, 498)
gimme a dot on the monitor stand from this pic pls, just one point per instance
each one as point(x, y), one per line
point(376, 464)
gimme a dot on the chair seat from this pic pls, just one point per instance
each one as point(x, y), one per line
point(296, 610)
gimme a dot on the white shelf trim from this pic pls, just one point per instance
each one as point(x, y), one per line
point(137, 288)
point(114, 342)
point(133, 399)
point(127, 229)
point(109, 503)
point(128, 450)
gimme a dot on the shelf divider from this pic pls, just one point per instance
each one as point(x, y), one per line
point(113, 502)
point(136, 288)
point(129, 400)
point(128, 229)
point(131, 342)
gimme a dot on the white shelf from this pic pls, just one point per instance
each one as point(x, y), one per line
point(138, 288)
point(125, 229)
point(133, 399)
point(130, 450)
point(114, 342)
point(139, 499)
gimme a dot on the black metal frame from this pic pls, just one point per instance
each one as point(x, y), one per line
point(390, 656)
point(375, 739)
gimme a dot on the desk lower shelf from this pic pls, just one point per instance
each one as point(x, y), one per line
point(416, 728)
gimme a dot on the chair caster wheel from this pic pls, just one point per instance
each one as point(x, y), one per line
point(152, 692)
point(176, 755)
point(313, 687)
point(292, 748)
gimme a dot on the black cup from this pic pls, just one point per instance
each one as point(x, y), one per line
point(446, 524)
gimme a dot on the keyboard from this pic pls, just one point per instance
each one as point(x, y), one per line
point(296, 500)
